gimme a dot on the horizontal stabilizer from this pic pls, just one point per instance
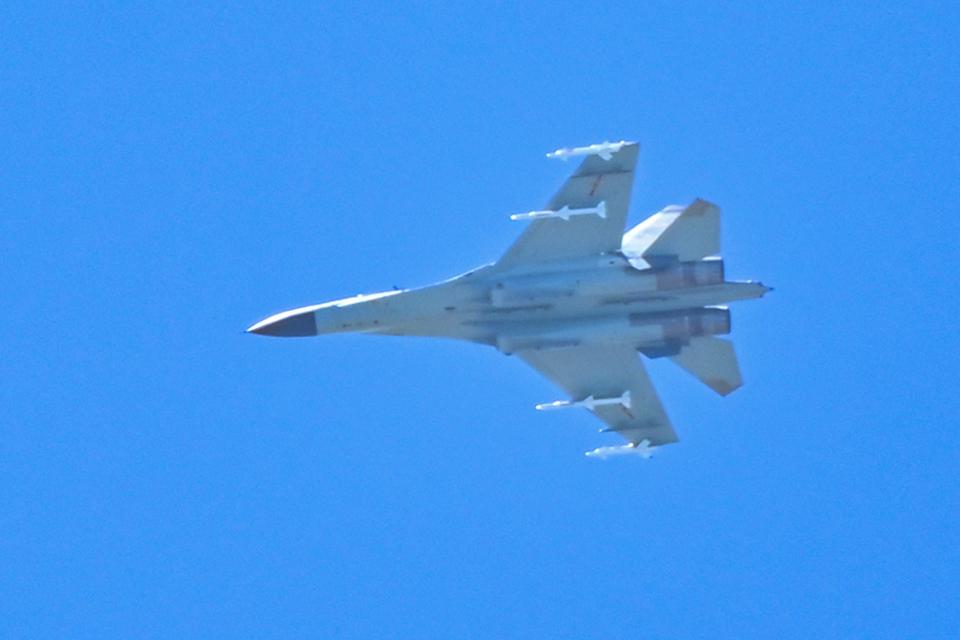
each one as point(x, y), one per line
point(713, 362)
point(676, 233)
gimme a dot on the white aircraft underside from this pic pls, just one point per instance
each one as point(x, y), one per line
point(577, 299)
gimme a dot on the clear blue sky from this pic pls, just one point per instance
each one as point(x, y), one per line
point(170, 176)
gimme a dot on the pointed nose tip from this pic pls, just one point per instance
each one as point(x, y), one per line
point(287, 325)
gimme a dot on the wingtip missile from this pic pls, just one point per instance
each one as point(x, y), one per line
point(604, 149)
point(642, 449)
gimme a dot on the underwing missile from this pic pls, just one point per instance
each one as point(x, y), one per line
point(604, 149)
point(565, 213)
point(587, 403)
point(642, 449)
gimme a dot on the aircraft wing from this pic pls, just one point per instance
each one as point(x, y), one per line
point(595, 181)
point(606, 372)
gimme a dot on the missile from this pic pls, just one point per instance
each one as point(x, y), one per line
point(605, 150)
point(642, 449)
point(565, 213)
point(587, 403)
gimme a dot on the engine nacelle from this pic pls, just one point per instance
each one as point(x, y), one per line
point(679, 329)
point(642, 331)
point(708, 321)
point(689, 274)
point(621, 281)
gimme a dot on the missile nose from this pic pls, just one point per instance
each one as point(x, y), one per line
point(288, 324)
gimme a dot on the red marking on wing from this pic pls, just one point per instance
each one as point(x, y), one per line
point(596, 183)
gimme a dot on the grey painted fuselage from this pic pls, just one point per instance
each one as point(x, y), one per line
point(600, 300)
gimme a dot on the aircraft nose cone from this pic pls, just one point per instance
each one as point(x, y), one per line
point(290, 324)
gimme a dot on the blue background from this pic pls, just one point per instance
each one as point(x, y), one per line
point(172, 175)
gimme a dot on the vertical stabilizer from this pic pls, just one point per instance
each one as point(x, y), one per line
point(676, 233)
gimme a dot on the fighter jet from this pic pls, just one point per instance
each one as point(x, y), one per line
point(580, 301)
